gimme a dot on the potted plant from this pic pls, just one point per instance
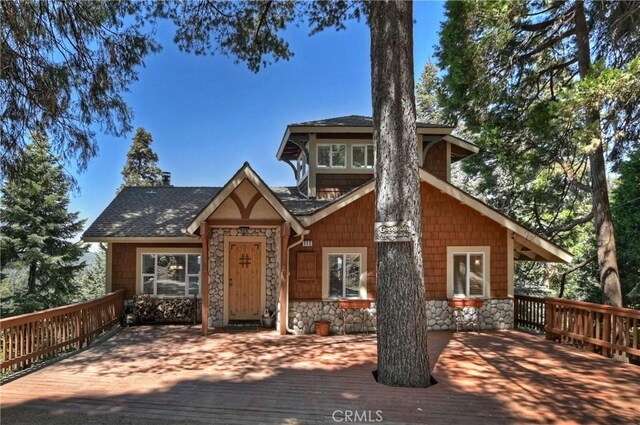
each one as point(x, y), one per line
point(268, 320)
point(323, 327)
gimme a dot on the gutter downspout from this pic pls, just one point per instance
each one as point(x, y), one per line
point(286, 311)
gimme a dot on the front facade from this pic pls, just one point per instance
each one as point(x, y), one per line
point(306, 253)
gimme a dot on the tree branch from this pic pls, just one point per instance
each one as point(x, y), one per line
point(548, 43)
point(563, 276)
point(263, 16)
point(566, 227)
point(571, 177)
point(565, 16)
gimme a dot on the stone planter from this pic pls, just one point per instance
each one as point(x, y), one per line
point(323, 327)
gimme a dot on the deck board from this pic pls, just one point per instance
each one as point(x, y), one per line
point(172, 374)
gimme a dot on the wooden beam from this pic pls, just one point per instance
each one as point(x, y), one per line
point(284, 247)
point(235, 223)
point(204, 273)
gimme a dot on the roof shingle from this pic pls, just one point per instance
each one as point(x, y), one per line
point(166, 211)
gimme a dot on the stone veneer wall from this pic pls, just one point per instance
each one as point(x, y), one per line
point(303, 314)
point(216, 268)
point(495, 314)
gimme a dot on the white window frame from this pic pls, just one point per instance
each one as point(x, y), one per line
point(362, 251)
point(331, 145)
point(367, 166)
point(167, 251)
point(469, 250)
point(302, 164)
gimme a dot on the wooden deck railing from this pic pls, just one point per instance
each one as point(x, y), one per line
point(595, 327)
point(36, 336)
point(529, 313)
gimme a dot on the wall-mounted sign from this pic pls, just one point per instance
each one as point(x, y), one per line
point(394, 231)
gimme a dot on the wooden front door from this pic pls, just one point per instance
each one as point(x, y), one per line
point(245, 272)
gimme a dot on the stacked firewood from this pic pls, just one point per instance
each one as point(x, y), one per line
point(163, 310)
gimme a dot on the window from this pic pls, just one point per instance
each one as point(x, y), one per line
point(301, 166)
point(344, 273)
point(467, 271)
point(171, 275)
point(332, 156)
point(362, 156)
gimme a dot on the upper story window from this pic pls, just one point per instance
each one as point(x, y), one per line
point(332, 156)
point(362, 156)
point(172, 275)
point(301, 167)
point(468, 271)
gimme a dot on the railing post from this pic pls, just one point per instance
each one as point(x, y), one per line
point(606, 333)
point(516, 316)
point(549, 319)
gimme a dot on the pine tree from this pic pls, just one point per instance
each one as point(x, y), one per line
point(91, 281)
point(35, 231)
point(141, 168)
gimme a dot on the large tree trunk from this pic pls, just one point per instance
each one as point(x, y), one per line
point(401, 308)
point(31, 280)
point(605, 238)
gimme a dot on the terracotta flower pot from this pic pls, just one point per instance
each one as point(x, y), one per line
point(322, 327)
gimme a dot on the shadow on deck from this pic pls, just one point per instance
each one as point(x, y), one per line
point(171, 374)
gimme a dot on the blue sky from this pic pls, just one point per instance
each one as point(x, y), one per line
point(208, 115)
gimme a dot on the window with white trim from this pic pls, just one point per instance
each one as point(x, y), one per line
point(468, 271)
point(332, 156)
point(362, 156)
point(170, 275)
point(344, 273)
point(301, 166)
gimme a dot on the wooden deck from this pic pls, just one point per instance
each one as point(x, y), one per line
point(171, 374)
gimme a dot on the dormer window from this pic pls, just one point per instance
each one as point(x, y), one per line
point(301, 167)
point(362, 156)
point(332, 156)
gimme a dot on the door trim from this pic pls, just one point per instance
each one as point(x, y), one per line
point(262, 240)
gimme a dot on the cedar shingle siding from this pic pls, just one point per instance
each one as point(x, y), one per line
point(123, 260)
point(445, 222)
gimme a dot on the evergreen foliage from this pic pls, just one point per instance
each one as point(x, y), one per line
point(626, 213)
point(38, 260)
point(543, 107)
point(141, 167)
point(91, 280)
point(65, 68)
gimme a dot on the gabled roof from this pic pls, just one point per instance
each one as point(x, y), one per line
point(355, 121)
point(149, 212)
point(245, 173)
point(346, 124)
point(536, 244)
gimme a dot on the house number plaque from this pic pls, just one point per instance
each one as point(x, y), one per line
point(394, 231)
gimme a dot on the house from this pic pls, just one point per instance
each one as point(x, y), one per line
point(247, 247)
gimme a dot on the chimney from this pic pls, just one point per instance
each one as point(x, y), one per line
point(166, 178)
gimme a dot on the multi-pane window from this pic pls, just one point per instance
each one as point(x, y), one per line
point(468, 274)
point(174, 275)
point(362, 156)
point(344, 275)
point(332, 156)
point(301, 167)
